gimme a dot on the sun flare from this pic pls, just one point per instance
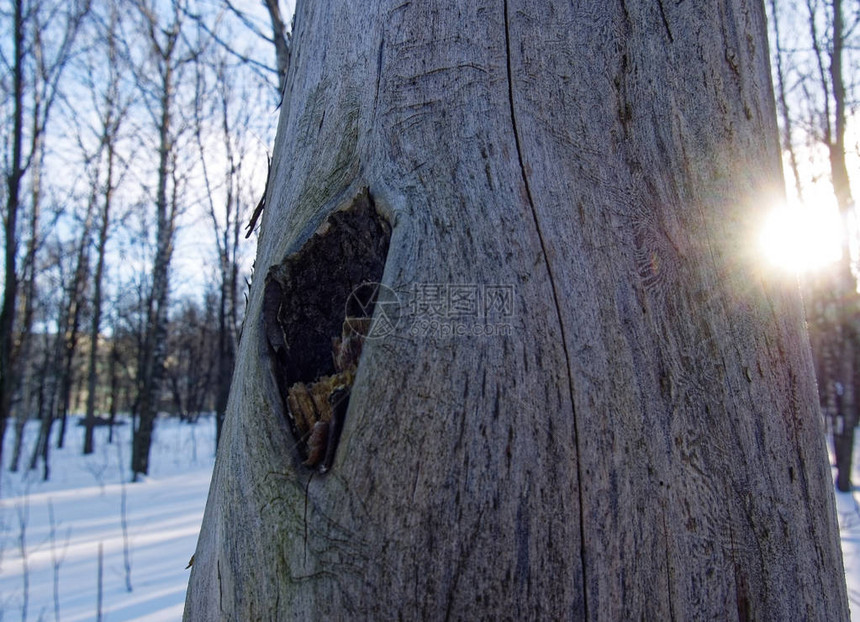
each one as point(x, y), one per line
point(803, 238)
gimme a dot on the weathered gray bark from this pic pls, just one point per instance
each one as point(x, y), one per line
point(644, 443)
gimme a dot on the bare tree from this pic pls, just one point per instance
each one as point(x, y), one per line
point(17, 166)
point(835, 139)
point(112, 111)
point(168, 53)
point(37, 69)
point(59, 369)
point(123, 359)
point(783, 106)
point(279, 38)
point(225, 199)
point(69, 322)
point(47, 396)
point(835, 308)
point(590, 402)
point(193, 357)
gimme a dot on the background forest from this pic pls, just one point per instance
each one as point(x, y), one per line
point(135, 145)
point(136, 139)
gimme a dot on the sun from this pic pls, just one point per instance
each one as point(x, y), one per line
point(803, 238)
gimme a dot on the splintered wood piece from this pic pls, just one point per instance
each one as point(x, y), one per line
point(317, 443)
point(301, 408)
point(346, 349)
point(310, 403)
point(320, 391)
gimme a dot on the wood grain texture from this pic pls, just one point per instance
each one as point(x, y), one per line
point(644, 442)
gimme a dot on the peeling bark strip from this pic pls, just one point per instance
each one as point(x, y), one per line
point(315, 346)
point(261, 204)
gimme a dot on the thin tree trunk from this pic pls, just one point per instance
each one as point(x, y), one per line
point(95, 328)
point(281, 40)
point(46, 445)
point(226, 236)
point(590, 403)
point(23, 351)
point(22, 416)
point(70, 345)
point(47, 394)
point(114, 387)
point(64, 413)
point(152, 358)
point(838, 166)
point(8, 376)
point(110, 129)
point(782, 102)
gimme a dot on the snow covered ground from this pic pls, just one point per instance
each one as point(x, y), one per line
point(848, 510)
point(59, 573)
point(849, 528)
point(85, 497)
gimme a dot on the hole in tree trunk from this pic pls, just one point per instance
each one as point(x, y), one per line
point(315, 339)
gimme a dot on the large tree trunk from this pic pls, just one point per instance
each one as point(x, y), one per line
point(638, 437)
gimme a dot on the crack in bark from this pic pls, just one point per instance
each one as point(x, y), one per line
point(220, 587)
point(556, 301)
point(379, 68)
